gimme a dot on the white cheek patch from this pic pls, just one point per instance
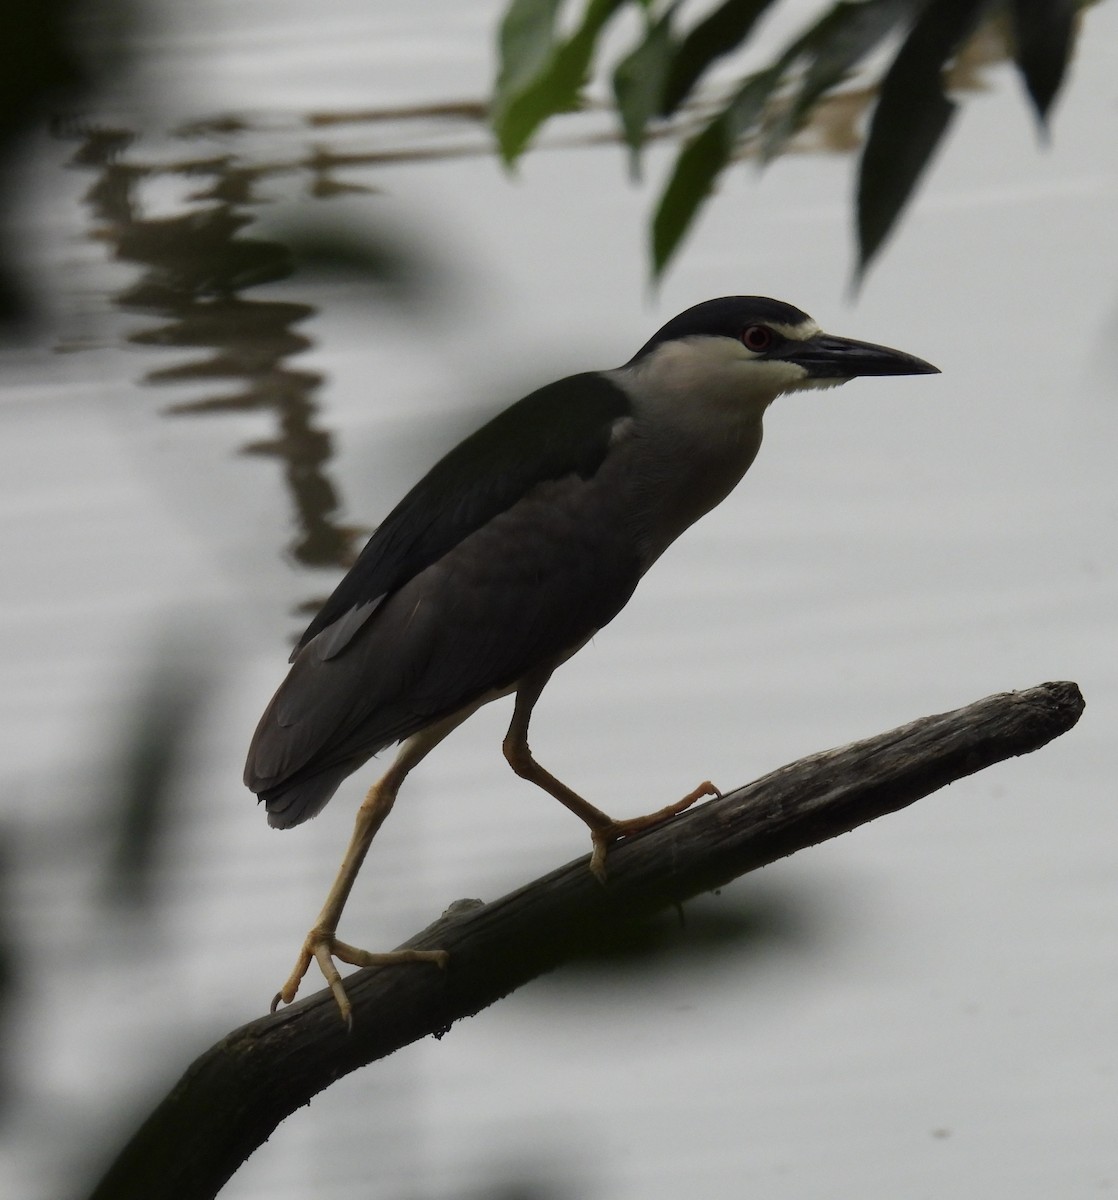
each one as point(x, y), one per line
point(808, 384)
point(701, 372)
point(777, 375)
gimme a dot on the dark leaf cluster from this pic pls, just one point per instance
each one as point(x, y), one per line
point(544, 66)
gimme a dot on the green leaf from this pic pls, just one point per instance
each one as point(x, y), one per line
point(554, 86)
point(911, 116)
point(718, 35)
point(700, 163)
point(1044, 31)
point(525, 43)
point(638, 84)
point(833, 46)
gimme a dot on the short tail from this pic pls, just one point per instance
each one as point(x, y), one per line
point(297, 800)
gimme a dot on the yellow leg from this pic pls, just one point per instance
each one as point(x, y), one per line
point(321, 945)
point(604, 830)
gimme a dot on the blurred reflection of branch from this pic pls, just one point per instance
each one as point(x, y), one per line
point(194, 265)
point(232, 1098)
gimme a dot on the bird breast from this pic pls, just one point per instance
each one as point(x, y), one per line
point(674, 471)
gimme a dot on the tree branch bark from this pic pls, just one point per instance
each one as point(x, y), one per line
point(233, 1096)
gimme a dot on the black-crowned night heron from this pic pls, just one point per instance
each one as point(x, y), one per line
point(510, 554)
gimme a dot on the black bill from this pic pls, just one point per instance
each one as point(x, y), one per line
point(827, 357)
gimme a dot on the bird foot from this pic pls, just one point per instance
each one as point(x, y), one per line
point(605, 837)
point(323, 947)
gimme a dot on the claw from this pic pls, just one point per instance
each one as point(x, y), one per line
point(615, 831)
point(323, 947)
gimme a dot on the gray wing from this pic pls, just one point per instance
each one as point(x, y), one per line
point(556, 431)
point(523, 588)
point(523, 592)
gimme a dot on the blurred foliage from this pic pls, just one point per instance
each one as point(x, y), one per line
point(153, 760)
point(544, 67)
point(45, 65)
point(9, 1083)
point(35, 63)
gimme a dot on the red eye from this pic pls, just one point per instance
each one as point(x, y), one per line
point(757, 338)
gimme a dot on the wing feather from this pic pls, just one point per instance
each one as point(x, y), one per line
point(559, 430)
point(527, 589)
point(499, 560)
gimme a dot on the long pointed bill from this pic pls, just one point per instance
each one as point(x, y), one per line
point(827, 357)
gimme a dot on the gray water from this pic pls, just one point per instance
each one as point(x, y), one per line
point(926, 1007)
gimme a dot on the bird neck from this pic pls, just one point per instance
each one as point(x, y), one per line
point(697, 436)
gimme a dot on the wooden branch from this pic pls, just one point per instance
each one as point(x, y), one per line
point(234, 1095)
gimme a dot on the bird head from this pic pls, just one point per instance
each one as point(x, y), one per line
point(755, 348)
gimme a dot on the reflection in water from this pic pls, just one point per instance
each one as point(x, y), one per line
point(194, 267)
